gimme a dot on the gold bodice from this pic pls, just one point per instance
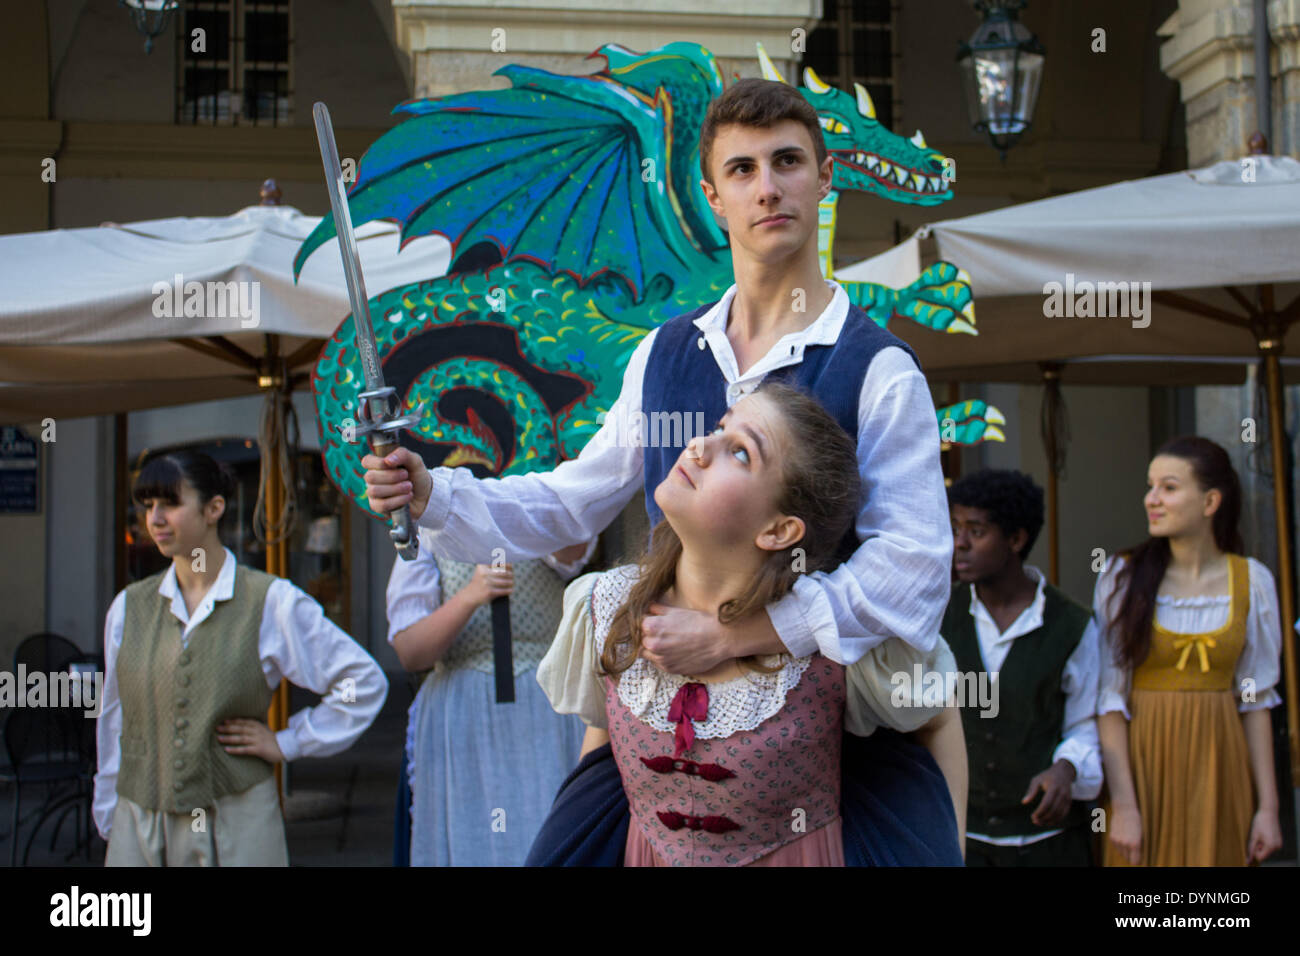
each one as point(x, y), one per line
point(1205, 661)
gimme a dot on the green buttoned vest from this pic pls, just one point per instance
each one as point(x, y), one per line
point(174, 697)
point(1005, 752)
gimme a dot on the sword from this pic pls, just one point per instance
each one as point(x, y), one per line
point(377, 406)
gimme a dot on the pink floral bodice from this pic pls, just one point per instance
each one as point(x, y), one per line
point(724, 773)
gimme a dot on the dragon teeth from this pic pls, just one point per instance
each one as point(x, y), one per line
point(918, 182)
point(902, 175)
point(873, 162)
point(935, 184)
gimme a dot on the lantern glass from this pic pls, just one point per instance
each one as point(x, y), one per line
point(150, 17)
point(1002, 67)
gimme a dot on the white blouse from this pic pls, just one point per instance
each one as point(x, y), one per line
point(415, 591)
point(415, 587)
point(1259, 661)
point(295, 641)
point(569, 675)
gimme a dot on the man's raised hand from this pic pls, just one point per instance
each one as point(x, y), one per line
point(400, 478)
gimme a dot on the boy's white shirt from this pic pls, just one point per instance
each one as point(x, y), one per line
point(895, 585)
point(296, 641)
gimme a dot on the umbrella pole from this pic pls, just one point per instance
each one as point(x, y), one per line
point(275, 564)
point(275, 379)
point(1270, 349)
point(1051, 411)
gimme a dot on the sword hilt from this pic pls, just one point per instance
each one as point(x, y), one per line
point(404, 539)
point(378, 419)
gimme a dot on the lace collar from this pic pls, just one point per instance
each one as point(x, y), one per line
point(735, 705)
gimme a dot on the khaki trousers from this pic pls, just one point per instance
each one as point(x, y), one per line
point(245, 829)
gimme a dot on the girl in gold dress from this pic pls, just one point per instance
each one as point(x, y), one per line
point(1190, 647)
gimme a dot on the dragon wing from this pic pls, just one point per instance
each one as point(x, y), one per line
point(553, 170)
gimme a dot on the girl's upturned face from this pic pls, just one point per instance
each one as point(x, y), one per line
point(1175, 504)
point(725, 485)
point(177, 529)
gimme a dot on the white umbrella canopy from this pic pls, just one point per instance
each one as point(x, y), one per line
point(1231, 226)
point(94, 321)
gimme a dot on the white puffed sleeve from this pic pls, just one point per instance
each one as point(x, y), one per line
point(1115, 681)
point(414, 588)
point(568, 673)
point(879, 686)
point(1259, 660)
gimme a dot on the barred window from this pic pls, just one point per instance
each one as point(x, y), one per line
point(238, 70)
point(853, 43)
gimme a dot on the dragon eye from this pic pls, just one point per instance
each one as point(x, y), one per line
point(831, 124)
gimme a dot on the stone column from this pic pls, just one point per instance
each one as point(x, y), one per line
point(456, 45)
point(1210, 52)
point(29, 139)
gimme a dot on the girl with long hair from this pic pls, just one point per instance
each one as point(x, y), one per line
point(740, 765)
point(1190, 648)
point(192, 655)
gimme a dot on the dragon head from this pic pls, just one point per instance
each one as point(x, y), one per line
point(868, 157)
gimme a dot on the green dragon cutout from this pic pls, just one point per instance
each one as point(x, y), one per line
point(577, 225)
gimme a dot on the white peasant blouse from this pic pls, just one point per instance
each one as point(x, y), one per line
point(1259, 661)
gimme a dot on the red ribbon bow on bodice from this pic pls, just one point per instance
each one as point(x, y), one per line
point(690, 703)
point(709, 824)
point(709, 771)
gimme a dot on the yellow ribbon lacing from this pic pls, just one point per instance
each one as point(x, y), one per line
point(1200, 641)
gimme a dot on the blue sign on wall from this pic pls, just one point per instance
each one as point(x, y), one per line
point(19, 484)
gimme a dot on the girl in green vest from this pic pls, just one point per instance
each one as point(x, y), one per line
point(191, 656)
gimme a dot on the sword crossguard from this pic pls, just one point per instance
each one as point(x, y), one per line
point(388, 422)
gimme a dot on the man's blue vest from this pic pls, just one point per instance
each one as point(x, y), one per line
point(681, 377)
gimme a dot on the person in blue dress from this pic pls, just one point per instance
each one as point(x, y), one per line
point(478, 776)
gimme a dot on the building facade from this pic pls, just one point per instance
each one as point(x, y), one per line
point(136, 136)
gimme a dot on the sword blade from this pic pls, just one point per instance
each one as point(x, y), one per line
point(360, 302)
point(382, 440)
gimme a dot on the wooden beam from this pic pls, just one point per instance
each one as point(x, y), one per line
point(1241, 299)
point(308, 350)
point(210, 351)
point(1186, 304)
point(1266, 297)
point(1291, 311)
point(243, 358)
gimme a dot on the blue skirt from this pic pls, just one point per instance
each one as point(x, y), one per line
point(894, 802)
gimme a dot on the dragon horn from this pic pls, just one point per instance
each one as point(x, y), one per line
point(919, 140)
point(813, 81)
point(865, 106)
point(769, 68)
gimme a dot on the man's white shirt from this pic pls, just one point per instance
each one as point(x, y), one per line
point(895, 585)
point(1079, 742)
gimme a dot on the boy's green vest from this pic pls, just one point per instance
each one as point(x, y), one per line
point(174, 697)
point(1005, 752)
